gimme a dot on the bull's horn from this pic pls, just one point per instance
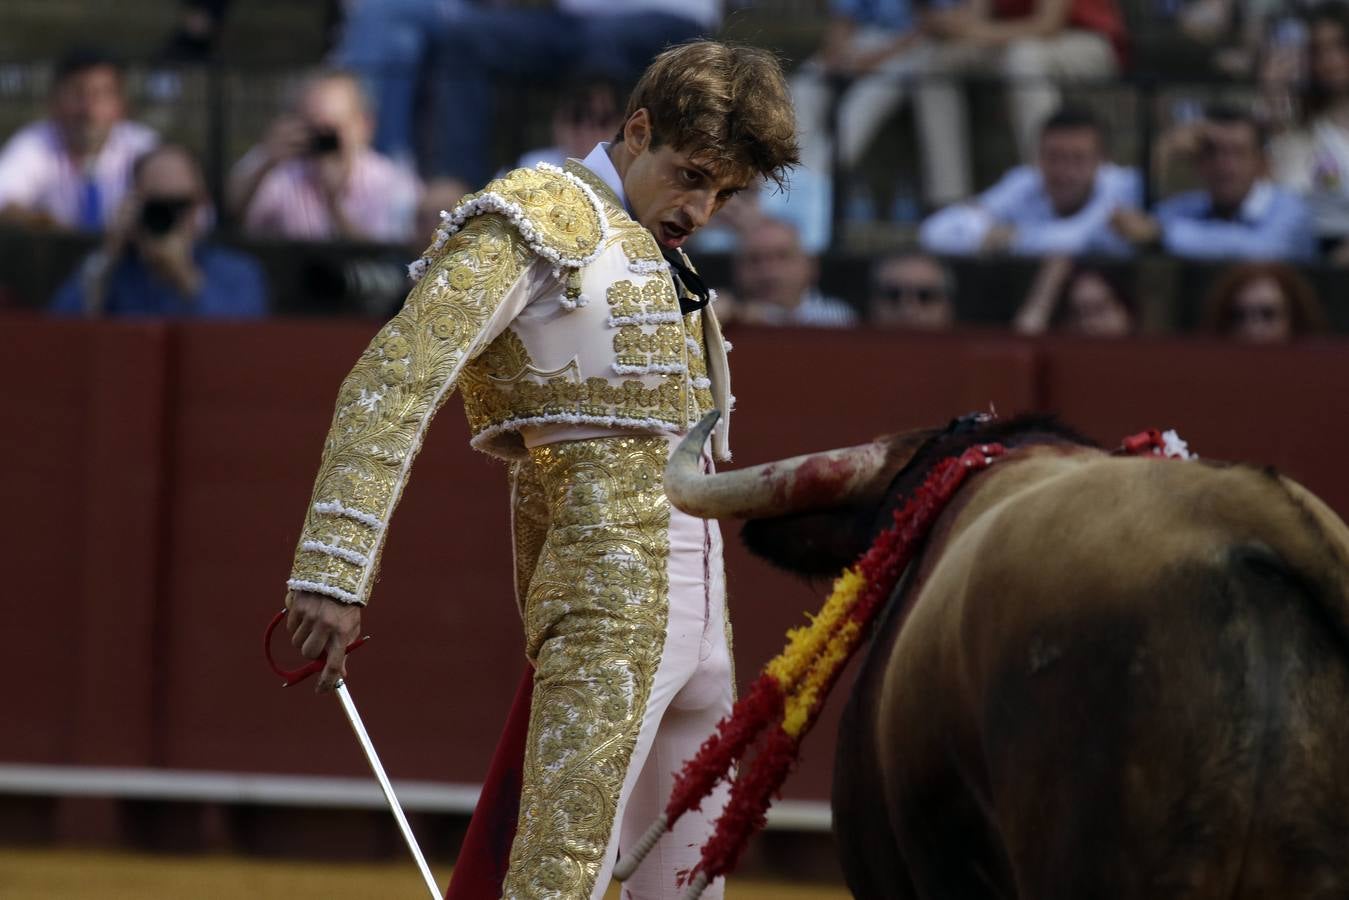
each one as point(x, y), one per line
point(814, 481)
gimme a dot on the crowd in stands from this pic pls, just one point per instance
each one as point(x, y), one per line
point(399, 124)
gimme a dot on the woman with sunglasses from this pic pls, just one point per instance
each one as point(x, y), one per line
point(1263, 303)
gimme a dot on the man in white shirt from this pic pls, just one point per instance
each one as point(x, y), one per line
point(1062, 205)
point(1239, 213)
point(72, 169)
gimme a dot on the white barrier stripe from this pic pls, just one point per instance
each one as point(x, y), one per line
point(297, 790)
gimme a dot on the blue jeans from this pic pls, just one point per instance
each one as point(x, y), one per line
point(467, 48)
point(387, 42)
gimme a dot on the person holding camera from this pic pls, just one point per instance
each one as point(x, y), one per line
point(155, 260)
point(315, 176)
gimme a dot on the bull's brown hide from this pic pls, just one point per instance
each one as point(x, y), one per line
point(1118, 677)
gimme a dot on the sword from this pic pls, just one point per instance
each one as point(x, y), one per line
point(295, 676)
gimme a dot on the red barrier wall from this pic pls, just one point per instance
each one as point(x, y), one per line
point(154, 476)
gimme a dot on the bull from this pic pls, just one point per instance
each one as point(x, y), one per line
point(1102, 677)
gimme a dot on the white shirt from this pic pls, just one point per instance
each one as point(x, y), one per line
point(37, 174)
point(1019, 199)
point(598, 161)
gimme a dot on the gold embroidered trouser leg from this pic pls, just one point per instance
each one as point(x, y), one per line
point(595, 624)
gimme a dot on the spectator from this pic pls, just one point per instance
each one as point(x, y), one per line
point(467, 47)
point(589, 112)
point(1239, 214)
point(1063, 205)
point(156, 260)
point(870, 45)
point(1263, 303)
point(72, 168)
point(776, 282)
point(1032, 44)
point(1314, 160)
point(1074, 299)
point(316, 178)
point(912, 290)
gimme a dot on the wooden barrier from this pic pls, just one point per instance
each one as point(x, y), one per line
point(154, 476)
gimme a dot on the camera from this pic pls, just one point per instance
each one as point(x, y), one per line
point(323, 141)
point(159, 215)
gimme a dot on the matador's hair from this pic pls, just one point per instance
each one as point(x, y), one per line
point(727, 105)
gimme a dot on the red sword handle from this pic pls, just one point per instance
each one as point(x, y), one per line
point(295, 676)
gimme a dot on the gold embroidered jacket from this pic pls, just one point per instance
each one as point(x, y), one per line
point(554, 312)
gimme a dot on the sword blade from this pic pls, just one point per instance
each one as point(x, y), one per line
point(349, 707)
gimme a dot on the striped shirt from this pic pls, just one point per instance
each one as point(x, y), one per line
point(39, 176)
point(380, 200)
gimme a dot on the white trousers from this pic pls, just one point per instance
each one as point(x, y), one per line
point(863, 107)
point(691, 694)
point(1032, 66)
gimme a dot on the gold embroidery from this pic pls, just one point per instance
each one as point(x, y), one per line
point(655, 296)
point(562, 217)
point(497, 403)
point(598, 185)
point(700, 400)
point(529, 524)
point(638, 250)
point(385, 404)
point(662, 347)
point(595, 623)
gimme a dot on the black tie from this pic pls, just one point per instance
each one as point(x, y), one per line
point(687, 282)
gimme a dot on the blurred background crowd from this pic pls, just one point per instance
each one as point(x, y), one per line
point(1097, 167)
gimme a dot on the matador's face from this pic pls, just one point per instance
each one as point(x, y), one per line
point(671, 193)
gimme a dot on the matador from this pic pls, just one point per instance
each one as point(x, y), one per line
point(560, 303)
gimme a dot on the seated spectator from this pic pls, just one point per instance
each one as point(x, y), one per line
point(1263, 303)
point(156, 260)
point(1061, 205)
point(589, 112)
point(71, 169)
point(1071, 299)
point(468, 47)
point(1239, 214)
point(776, 282)
point(1032, 44)
point(912, 290)
point(869, 46)
point(1314, 159)
point(316, 178)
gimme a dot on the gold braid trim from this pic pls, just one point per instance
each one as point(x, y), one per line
point(387, 401)
point(557, 213)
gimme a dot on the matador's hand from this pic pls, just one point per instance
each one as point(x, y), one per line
point(319, 625)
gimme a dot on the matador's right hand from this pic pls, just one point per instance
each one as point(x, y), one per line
point(320, 625)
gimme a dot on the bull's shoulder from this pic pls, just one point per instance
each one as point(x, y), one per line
point(1090, 516)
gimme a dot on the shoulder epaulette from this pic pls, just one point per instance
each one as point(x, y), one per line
point(556, 213)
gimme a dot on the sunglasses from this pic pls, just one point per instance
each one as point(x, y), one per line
point(924, 294)
point(1264, 314)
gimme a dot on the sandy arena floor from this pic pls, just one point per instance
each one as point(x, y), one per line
point(62, 874)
